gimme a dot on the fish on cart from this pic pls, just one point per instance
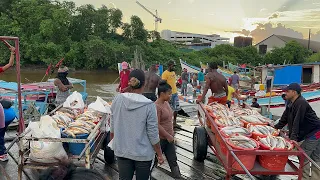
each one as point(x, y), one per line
point(265, 130)
point(243, 141)
point(256, 119)
point(233, 121)
point(76, 130)
point(62, 121)
point(72, 113)
point(231, 130)
point(276, 142)
point(90, 116)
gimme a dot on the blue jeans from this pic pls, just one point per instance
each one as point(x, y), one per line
point(2, 133)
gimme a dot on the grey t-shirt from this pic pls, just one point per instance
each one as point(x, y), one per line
point(184, 76)
point(235, 79)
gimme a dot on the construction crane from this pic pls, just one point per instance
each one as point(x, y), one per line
point(156, 17)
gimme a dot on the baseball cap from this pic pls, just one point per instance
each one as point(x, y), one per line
point(171, 62)
point(124, 65)
point(293, 87)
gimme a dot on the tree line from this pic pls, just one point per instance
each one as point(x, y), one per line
point(90, 38)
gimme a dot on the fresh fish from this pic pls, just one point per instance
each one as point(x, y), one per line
point(235, 130)
point(243, 141)
point(276, 142)
point(251, 119)
point(264, 141)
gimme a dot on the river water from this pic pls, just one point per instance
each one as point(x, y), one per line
point(99, 83)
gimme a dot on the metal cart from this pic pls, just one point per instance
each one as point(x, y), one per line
point(204, 136)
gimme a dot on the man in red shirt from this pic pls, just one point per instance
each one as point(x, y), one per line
point(124, 78)
point(11, 61)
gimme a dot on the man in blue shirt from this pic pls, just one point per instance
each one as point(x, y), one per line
point(201, 78)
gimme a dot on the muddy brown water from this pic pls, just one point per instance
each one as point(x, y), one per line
point(99, 83)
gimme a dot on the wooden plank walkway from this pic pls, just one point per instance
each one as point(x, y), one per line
point(211, 168)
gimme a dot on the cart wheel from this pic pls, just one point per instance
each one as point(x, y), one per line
point(200, 144)
point(108, 152)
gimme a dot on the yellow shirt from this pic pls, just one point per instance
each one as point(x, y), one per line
point(170, 77)
point(231, 90)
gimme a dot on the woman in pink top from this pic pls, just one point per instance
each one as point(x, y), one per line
point(3, 156)
point(165, 125)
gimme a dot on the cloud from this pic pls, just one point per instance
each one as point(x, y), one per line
point(274, 16)
point(265, 30)
point(315, 37)
point(305, 15)
point(191, 1)
point(211, 14)
point(169, 2)
point(263, 9)
point(243, 32)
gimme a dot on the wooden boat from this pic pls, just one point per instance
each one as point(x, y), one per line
point(277, 101)
point(41, 93)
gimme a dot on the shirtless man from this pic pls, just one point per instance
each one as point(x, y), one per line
point(218, 85)
point(152, 82)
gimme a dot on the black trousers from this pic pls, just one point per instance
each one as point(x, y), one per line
point(169, 151)
point(127, 167)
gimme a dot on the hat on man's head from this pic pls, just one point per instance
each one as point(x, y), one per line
point(136, 79)
point(124, 65)
point(171, 62)
point(63, 69)
point(294, 87)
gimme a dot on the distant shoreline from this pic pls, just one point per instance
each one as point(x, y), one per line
point(43, 68)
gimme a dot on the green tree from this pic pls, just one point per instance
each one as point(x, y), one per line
point(138, 30)
point(314, 58)
point(196, 40)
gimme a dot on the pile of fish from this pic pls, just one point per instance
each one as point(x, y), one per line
point(90, 115)
point(231, 121)
point(79, 127)
point(84, 123)
point(71, 113)
point(62, 120)
point(265, 130)
point(256, 119)
point(243, 141)
point(276, 142)
point(231, 130)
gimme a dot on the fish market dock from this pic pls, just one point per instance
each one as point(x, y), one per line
point(211, 168)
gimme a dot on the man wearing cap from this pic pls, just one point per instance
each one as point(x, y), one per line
point(124, 78)
point(152, 82)
point(304, 127)
point(170, 76)
point(63, 85)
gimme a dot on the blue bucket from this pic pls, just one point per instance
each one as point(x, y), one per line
point(77, 148)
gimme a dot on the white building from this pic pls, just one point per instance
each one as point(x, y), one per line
point(273, 41)
point(187, 38)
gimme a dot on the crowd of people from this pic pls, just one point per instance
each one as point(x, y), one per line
point(142, 122)
point(144, 115)
point(196, 80)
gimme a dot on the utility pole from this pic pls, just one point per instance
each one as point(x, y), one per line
point(309, 39)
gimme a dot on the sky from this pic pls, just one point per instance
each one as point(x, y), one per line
point(228, 18)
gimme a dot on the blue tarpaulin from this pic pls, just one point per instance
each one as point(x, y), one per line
point(287, 75)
